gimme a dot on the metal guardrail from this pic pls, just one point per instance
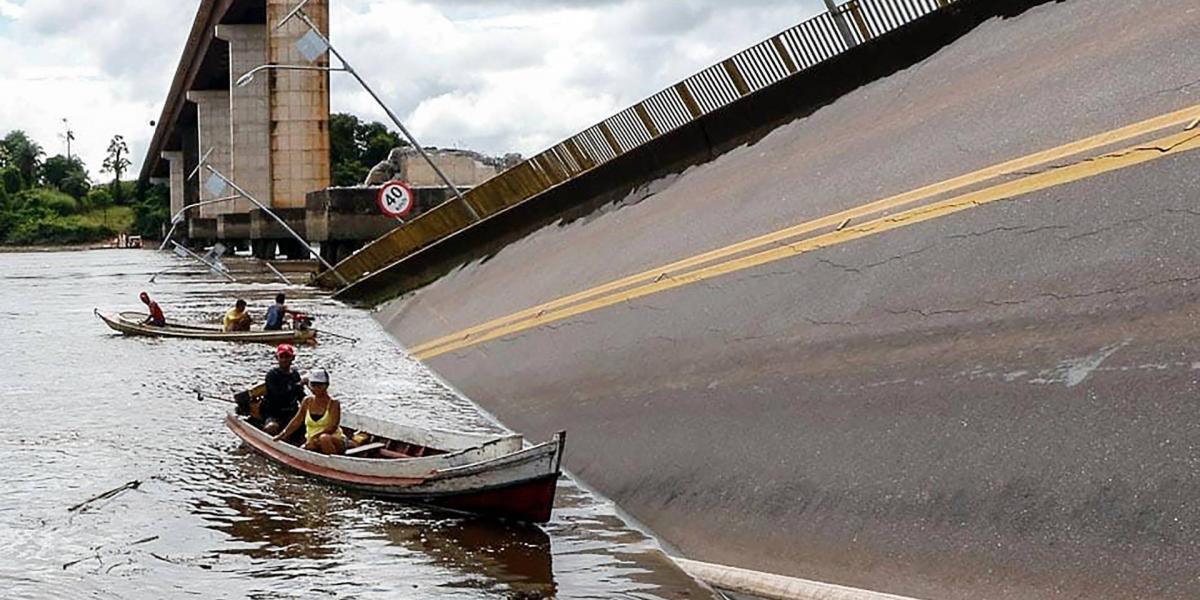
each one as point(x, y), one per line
point(772, 60)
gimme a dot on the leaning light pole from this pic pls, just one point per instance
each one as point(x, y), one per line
point(177, 218)
point(217, 185)
point(312, 45)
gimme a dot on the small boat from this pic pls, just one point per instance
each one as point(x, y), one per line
point(131, 323)
point(478, 474)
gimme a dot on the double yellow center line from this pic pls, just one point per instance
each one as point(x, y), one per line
point(785, 243)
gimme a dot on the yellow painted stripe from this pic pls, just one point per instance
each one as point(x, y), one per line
point(1020, 164)
point(1138, 154)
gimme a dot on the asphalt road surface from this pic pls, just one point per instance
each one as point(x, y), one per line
point(983, 388)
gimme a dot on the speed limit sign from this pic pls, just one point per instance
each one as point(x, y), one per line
point(396, 199)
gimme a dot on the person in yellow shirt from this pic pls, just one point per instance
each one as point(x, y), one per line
point(237, 319)
point(321, 417)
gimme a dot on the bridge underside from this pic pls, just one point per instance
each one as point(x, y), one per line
point(986, 391)
point(270, 136)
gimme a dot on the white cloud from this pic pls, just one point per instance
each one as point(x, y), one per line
point(492, 75)
point(506, 76)
point(103, 65)
point(9, 9)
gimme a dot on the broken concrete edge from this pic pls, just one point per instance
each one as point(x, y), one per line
point(772, 586)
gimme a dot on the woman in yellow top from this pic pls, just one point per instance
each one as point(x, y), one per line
point(237, 319)
point(321, 416)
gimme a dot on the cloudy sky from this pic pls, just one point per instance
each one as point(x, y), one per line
point(491, 75)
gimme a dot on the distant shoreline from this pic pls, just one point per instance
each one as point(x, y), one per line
point(57, 248)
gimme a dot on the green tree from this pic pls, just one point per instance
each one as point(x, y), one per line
point(67, 174)
point(24, 154)
point(77, 185)
point(46, 200)
point(152, 210)
point(355, 147)
point(99, 197)
point(376, 142)
point(116, 161)
point(12, 180)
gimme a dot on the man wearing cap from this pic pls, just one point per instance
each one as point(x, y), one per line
point(285, 390)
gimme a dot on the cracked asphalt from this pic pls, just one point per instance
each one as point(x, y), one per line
point(999, 403)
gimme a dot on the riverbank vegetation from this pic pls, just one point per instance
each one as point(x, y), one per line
point(53, 200)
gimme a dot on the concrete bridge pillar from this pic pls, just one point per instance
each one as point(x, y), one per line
point(212, 117)
point(176, 179)
point(198, 230)
point(299, 110)
point(190, 137)
point(250, 115)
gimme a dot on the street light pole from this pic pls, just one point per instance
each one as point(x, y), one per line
point(299, 11)
point(839, 20)
point(243, 193)
point(69, 136)
point(177, 218)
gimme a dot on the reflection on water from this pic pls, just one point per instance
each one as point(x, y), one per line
point(89, 411)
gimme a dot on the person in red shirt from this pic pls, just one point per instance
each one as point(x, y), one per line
point(156, 317)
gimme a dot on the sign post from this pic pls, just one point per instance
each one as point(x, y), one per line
point(396, 200)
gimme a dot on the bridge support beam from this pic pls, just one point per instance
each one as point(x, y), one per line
point(250, 115)
point(212, 116)
point(299, 110)
point(176, 179)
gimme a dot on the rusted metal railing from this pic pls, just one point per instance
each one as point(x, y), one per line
point(796, 49)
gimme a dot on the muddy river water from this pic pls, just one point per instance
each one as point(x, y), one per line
point(86, 411)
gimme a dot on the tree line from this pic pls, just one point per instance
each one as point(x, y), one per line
point(53, 200)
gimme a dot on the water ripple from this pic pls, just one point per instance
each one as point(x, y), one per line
point(213, 520)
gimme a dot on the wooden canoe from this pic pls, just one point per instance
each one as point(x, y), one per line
point(487, 475)
point(130, 323)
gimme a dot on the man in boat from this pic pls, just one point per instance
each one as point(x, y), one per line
point(237, 319)
point(156, 317)
point(321, 417)
point(285, 390)
point(277, 314)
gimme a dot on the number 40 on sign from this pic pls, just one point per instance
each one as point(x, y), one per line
point(396, 199)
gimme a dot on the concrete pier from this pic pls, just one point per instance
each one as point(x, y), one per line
point(299, 103)
point(250, 114)
point(271, 135)
point(212, 114)
point(176, 179)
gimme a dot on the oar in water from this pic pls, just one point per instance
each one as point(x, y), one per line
point(336, 335)
point(202, 395)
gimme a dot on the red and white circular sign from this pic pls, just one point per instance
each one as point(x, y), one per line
point(396, 199)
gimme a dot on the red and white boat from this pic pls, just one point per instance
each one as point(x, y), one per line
point(489, 475)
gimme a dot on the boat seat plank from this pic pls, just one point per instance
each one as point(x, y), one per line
point(364, 448)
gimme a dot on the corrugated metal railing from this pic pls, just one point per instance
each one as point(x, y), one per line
point(813, 41)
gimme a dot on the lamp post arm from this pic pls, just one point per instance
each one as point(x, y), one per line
point(391, 115)
point(248, 76)
point(175, 218)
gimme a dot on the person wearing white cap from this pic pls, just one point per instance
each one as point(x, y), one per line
point(321, 416)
